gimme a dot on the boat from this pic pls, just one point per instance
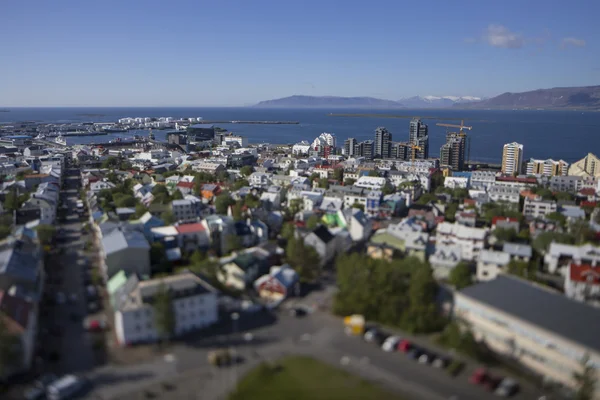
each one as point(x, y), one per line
point(41, 136)
point(60, 140)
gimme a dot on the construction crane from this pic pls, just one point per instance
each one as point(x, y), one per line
point(414, 149)
point(463, 135)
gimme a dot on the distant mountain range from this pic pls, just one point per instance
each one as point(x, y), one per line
point(298, 101)
point(586, 97)
point(436, 101)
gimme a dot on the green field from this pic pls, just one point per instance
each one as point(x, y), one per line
point(304, 378)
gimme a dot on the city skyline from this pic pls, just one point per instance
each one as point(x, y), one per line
point(237, 53)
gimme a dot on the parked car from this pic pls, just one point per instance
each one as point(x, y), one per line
point(507, 387)
point(491, 383)
point(479, 376)
point(391, 343)
point(441, 362)
point(298, 312)
point(414, 352)
point(404, 346)
point(426, 357)
point(65, 387)
point(374, 335)
point(95, 325)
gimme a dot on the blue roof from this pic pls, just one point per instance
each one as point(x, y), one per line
point(202, 126)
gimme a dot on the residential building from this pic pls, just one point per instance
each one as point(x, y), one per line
point(582, 283)
point(446, 256)
point(19, 313)
point(387, 243)
point(127, 250)
point(571, 184)
point(259, 179)
point(540, 226)
point(507, 194)
point(559, 256)
point(323, 242)
point(209, 191)
point(482, 179)
point(456, 182)
point(452, 153)
point(370, 182)
point(186, 210)
point(358, 224)
point(193, 237)
point(349, 146)
point(538, 208)
point(208, 167)
point(471, 240)
point(240, 271)
point(505, 313)
point(301, 148)
point(547, 167)
point(185, 187)
point(383, 141)
point(518, 251)
point(194, 304)
point(278, 284)
point(418, 136)
point(21, 263)
point(589, 166)
point(490, 263)
point(98, 186)
point(365, 149)
point(374, 200)
point(401, 151)
point(519, 182)
point(512, 158)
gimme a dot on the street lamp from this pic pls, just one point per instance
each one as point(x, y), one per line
point(234, 317)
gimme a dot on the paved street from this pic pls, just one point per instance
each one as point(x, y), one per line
point(185, 373)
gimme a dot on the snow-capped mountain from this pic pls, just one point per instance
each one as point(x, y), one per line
point(436, 101)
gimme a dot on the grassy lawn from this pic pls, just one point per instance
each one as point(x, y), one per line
point(304, 378)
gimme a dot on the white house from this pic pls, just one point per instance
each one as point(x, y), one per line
point(444, 258)
point(508, 194)
point(323, 242)
point(538, 208)
point(456, 182)
point(278, 284)
point(582, 283)
point(194, 304)
point(192, 237)
point(301, 148)
point(97, 186)
point(259, 179)
point(358, 224)
point(490, 263)
point(559, 256)
point(370, 182)
point(127, 250)
point(471, 240)
point(482, 179)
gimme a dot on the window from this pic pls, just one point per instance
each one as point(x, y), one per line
point(149, 325)
point(136, 314)
point(137, 328)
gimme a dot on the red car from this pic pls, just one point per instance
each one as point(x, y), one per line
point(404, 346)
point(492, 382)
point(479, 376)
point(96, 325)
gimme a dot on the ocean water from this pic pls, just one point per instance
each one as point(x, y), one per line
point(567, 135)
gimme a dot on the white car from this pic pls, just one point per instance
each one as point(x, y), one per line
point(391, 343)
point(507, 387)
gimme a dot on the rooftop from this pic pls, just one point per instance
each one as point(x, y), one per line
point(568, 318)
point(190, 228)
point(119, 239)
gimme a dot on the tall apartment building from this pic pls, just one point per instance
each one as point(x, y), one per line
point(365, 149)
point(419, 135)
point(349, 145)
point(400, 151)
point(547, 167)
point(452, 153)
point(383, 141)
point(589, 166)
point(512, 158)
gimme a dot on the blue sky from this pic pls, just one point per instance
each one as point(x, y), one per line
point(226, 52)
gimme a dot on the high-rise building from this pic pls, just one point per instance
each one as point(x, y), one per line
point(418, 135)
point(400, 151)
point(383, 141)
point(547, 167)
point(512, 158)
point(349, 145)
point(452, 153)
point(587, 166)
point(365, 149)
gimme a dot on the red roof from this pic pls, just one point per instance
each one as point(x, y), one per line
point(587, 191)
point(189, 185)
point(469, 202)
point(584, 273)
point(190, 228)
point(588, 204)
point(495, 220)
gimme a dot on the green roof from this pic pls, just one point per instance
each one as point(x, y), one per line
point(116, 282)
point(389, 240)
point(334, 220)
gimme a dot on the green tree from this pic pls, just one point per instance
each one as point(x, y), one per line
point(177, 195)
point(240, 183)
point(164, 314)
point(287, 230)
point(110, 162)
point(426, 198)
point(10, 348)
point(421, 315)
point(168, 217)
point(158, 189)
point(295, 205)
point(313, 176)
point(437, 180)
point(373, 173)
point(197, 257)
point(324, 183)
point(505, 234)
point(251, 201)
point(233, 243)
point(523, 269)
point(46, 234)
point(388, 189)
point(359, 206)
point(542, 241)
point(237, 211)
point(451, 212)
point(581, 231)
point(349, 182)
point(585, 379)
point(304, 259)
point(112, 177)
point(558, 217)
point(223, 201)
point(565, 196)
point(140, 210)
point(461, 276)
point(126, 200)
point(11, 200)
point(312, 222)
point(246, 170)
point(5, 231)
point(125, 165)
point(338, 174)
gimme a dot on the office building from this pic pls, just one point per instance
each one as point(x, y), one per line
point(419, 136)
point(547, 167)
point(452, 153)
point(383, 141)
point(400, 151)
point(512, 158)
point(349, 145)
point(201, 132)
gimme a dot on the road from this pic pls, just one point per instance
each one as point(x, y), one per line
point(318, 335)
